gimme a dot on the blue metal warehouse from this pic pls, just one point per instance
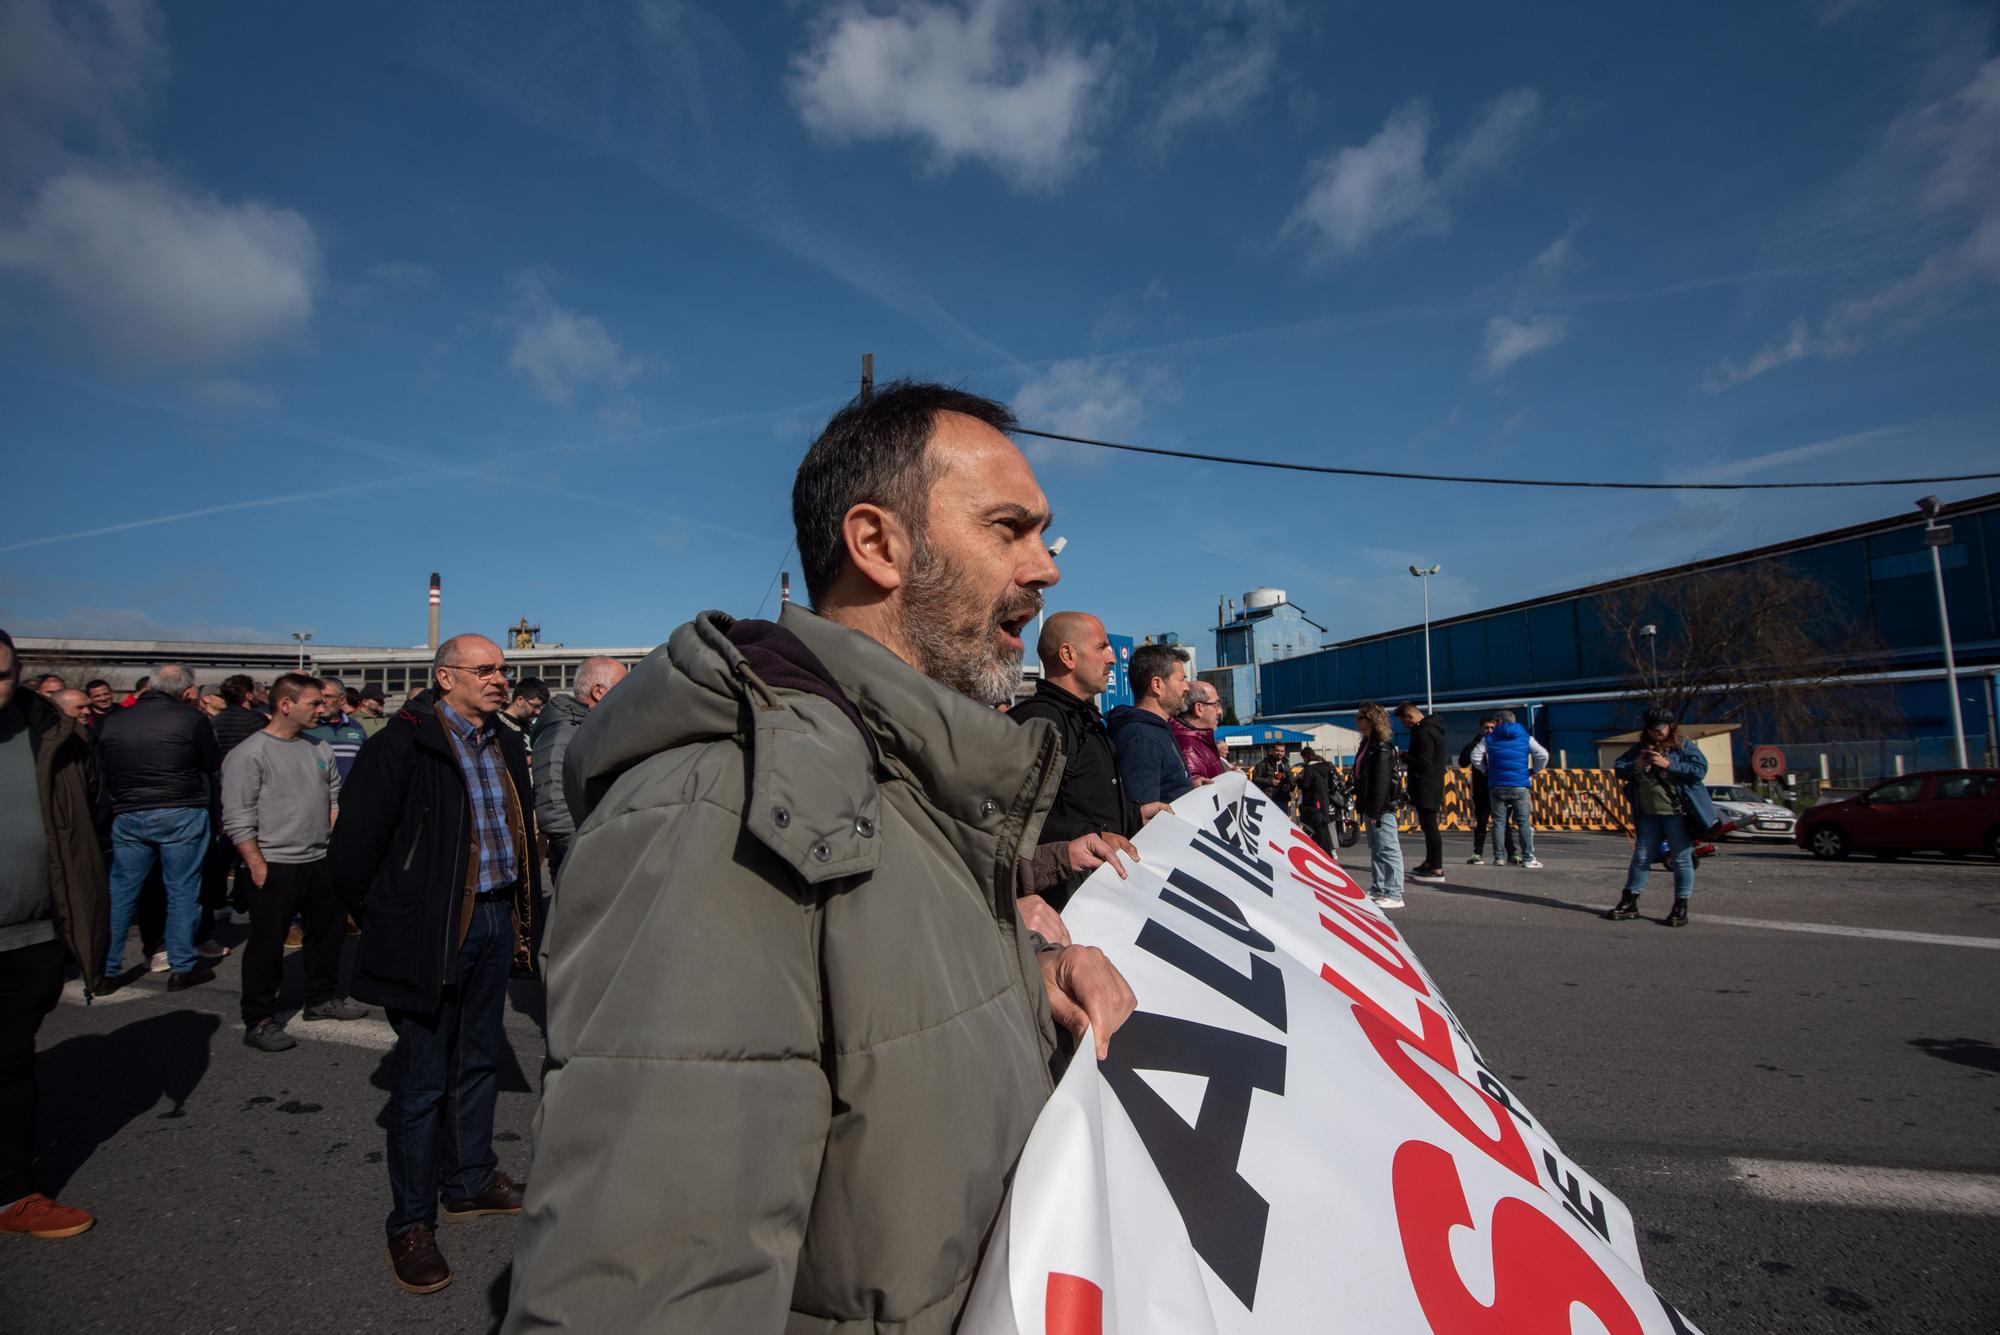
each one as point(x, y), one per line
point(1552, 660)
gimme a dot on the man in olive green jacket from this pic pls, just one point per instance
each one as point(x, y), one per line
point(798, 1030)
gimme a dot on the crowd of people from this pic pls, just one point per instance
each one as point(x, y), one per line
point(795, 890)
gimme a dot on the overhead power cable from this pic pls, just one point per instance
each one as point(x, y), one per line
point(1473, 480)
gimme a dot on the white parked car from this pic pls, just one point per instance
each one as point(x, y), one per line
point(1755, 818)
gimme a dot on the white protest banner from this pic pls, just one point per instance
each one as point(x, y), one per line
point(1293, 1133)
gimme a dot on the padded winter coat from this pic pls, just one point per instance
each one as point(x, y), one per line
point(796, 1036)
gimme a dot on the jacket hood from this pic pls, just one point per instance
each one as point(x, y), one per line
point(818, 739)
point(563, 708)
point(1126, 716)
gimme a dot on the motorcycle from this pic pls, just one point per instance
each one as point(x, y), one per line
point(1346, 821)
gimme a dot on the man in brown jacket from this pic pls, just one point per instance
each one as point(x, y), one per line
point(53, 897)
point(798, 1030)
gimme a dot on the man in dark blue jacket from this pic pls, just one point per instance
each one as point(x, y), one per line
point(434, 851)
point(1510, 757)
point(1149, 760)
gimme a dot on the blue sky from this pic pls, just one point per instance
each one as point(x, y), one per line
point(301, 302)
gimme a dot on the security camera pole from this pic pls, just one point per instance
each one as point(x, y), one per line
point(1937, 537)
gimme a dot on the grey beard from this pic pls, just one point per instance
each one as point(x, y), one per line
point(953, 644)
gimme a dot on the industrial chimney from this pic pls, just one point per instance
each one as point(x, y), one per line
point(784, 586)
point(434, 611)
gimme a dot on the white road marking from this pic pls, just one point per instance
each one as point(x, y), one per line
point(367, 1032)
point(1870, 933)
point(73, 994)
point(1868, 1188)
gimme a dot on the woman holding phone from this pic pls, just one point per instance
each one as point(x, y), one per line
point(1663, 776)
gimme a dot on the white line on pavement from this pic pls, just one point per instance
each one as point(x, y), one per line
point(73, 994)
point(1868, 1188)
point(1871, 933)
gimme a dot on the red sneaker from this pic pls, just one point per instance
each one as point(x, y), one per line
point(36, 1216)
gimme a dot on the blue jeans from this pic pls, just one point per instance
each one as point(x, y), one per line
point(1385, 856)
point(178, 838)
point(1515, 811)
point(443, 1079)
point(1651, 831)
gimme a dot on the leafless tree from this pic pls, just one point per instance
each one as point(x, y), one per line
point(1761, 644)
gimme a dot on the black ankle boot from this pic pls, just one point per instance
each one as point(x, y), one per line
point(1679, 917)
point(1626, 907)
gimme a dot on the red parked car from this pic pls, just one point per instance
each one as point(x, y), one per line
point(1950, 810)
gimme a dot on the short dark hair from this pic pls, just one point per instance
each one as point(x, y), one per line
point(7, 643)
point(874, 451)
point(531, 688)
point(90, 685)
point(235, 690)
point(351, 698)
point(291, 686)
point(1407, 707)
point(1150, 661)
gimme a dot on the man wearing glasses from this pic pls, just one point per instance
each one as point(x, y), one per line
point(433, 852)
point(1194, 733)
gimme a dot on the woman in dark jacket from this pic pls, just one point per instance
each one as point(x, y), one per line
point(1663, 776)
point(1375, 799)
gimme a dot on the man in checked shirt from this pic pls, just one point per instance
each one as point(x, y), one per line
point(434, 854)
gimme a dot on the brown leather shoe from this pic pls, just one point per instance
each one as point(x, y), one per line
point(503, 1197)
point(417, 1263)
point(195, 977)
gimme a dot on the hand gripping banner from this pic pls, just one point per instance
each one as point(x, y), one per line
point(1293, 1133)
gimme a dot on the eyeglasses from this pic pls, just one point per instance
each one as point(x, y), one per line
point(483, 671)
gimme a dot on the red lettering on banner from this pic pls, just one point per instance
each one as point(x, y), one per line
point(1074, 1306)
point(1396, 965)
point(1310, 865)
point(1539, 1270)
point(1375, 926)
point(1392, 1040)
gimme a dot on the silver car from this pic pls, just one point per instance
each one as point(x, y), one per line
point(1755, 818)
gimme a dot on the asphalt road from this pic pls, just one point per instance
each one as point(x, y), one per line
point(1805, 1123)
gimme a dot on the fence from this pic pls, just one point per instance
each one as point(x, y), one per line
point(1564, 799)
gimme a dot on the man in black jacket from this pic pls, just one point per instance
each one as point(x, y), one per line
point(434, 852)
point(1316, 799)
point(1077, 658)
point(159, 759)
point(1426, 760)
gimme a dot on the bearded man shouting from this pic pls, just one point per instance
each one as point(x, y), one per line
point(798, 1031)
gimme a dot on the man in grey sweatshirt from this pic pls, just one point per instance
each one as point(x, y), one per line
point(280, 791)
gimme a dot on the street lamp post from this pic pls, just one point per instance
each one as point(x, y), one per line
point(1937, 537)
point(1055, 550)
point(1424, 574)
point(1652, 634)
point(302, 636)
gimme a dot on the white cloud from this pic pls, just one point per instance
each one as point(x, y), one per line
point(971, 84)
point(1358, 193)
point(1509, 340)
point(1232, 66)
point(1557, 256)
point(561, 351)
point(1937, 176)
point(128, 623)
point(1797, 454)
point(72, 70)
point(224, 394)
point(1798, 343)
point(1086, 397)
point(161, 274)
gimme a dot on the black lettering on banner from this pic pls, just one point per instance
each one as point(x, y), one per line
point(1216, 909)
point(1262, 993)
point(1674, 1318)
point(1224, 1216)
point(1252, 869)
point(1253, 814)
point(1491, 1084)
point(1573, 1193)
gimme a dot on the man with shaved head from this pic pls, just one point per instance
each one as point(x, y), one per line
point(434, 854)
point(1077, 659)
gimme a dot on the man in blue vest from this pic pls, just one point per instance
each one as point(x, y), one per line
point(1510, 757)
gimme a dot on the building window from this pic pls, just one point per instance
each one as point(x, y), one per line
point(1904, 564)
